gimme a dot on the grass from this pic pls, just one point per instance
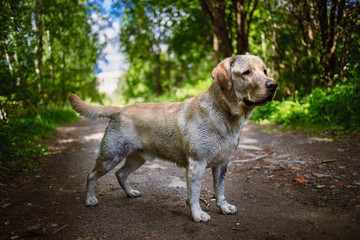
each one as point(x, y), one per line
point(20, 146)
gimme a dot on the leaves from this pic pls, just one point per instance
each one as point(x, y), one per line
point(336, 108)
point(300, 180)
point(164, 43)
point(44, 60)
point(171, 43)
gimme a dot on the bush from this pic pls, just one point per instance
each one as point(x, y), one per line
point(337, 108)
point(19, 137)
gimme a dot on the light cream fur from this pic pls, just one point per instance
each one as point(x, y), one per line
point(201, 132)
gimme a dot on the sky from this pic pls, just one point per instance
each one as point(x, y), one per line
point(115, 60)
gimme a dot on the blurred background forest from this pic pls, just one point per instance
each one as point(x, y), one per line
point(51, 48)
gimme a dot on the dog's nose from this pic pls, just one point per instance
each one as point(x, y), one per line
point(271, 85)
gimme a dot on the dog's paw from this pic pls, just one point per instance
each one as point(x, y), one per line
point(201, 217)
point(91, 201)
point(228, 209)
point(133, 193)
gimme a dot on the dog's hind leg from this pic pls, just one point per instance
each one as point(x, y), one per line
point(101, 167)
point(114, 148)
point(132, 162)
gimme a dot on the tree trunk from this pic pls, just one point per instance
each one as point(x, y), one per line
point(220, 27)
point(39, 47)
point(330, 27)
point(223, 25)
point(157, 73)
point(215, 9)
point(216, 49)
point(242, 38)
point(322, 18)
point(63, 78)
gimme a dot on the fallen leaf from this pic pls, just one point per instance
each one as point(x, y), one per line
point(6, 205)
point(300, 180)
point(339, 183)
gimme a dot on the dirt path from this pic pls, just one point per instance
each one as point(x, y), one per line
point(264, 182)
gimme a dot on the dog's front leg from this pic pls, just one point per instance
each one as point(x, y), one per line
point(194, 174)
point(219, 186)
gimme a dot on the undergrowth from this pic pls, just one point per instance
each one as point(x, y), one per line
point(334, 109)
point(20, 145)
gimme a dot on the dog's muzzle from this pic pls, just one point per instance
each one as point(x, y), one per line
point(271, 86)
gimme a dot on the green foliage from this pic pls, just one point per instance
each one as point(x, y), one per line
point(167, 46)
point(47, 50)
point(169, 49)
point(170, 43)
point(19, 138)
point(177, 95)
point(336, 108)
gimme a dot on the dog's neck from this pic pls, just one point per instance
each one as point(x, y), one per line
point(233, 107)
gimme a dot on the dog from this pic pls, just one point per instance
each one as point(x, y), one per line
point(198, 133)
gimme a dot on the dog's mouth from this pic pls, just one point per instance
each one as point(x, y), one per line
point(260, 103)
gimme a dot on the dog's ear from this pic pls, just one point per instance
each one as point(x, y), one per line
point(222, 75)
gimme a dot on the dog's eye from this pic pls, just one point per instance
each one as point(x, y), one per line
point(265, 71)
point(247, 72)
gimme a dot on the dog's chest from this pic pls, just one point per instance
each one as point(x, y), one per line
point(222, 147)
point(233, 138)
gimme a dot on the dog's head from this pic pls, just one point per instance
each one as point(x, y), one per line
point(247, 76)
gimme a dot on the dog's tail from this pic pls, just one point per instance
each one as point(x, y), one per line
point(91, 111)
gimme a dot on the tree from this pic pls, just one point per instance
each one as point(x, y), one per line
point(293, 42)
point(350, 42)
point(223, 16)
point(161, 42)
point(47, 51)
point(38, 26)
point(322, 18)
point(306, 44)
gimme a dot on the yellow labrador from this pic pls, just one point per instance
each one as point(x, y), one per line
point(201, 132)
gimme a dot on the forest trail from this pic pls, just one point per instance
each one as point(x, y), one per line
point(266, 182)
